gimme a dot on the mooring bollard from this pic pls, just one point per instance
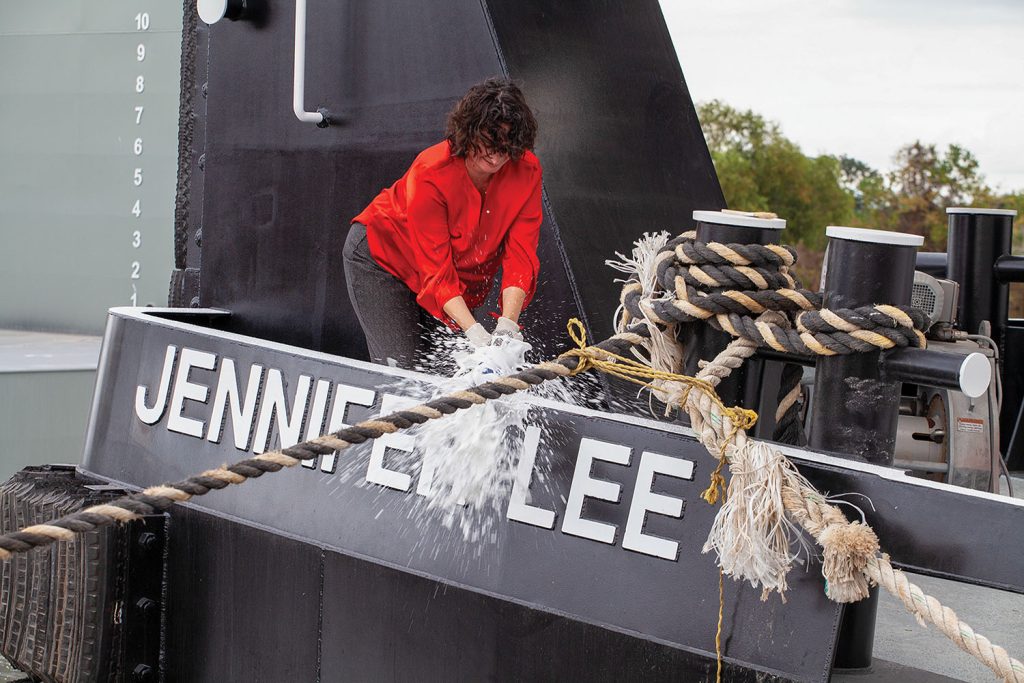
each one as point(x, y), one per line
point(978, 258)
point(856, 406)
point(702, 341)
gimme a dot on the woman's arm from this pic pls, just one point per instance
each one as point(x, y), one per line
point(432, 250)
point(458, 311)
point(512, 299)
point(519, 262)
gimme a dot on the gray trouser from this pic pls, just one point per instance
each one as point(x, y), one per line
point(394, 324)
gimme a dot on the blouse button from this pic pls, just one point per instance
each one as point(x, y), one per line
point(488, 210)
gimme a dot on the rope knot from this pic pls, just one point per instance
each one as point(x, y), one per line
point(847, 550)
point(716, 488)
point(586, 355)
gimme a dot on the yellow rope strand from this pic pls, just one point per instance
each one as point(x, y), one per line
point(634, 371)
point(592, 357)
point(718, 633)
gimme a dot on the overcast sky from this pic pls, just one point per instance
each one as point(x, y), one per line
point(864, 77)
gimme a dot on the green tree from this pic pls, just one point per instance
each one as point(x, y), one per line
point(760, 169)
point(924, 183)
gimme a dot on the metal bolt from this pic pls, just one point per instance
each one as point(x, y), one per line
point(147, 540)
point(142, 672)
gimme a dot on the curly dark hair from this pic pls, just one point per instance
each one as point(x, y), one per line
point(492, 116)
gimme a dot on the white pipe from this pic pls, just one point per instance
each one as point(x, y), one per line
point(299, 90)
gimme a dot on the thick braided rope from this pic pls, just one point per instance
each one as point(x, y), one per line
point(789, 427)
point(704, 295)
point(159, 498)
point(822, 332)
point(828, 525)
point(832, 343)
point(851, 556)
point(712, 298)
point(851, 551)
point(720, 429)
point(927, 609)
point(727, 284)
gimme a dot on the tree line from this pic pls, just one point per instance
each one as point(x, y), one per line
point(760, 169)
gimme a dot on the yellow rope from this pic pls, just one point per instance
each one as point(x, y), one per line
point(631, 370)
point(634, 371)
point(718, 633)
point(592, 357)
point(716, 489)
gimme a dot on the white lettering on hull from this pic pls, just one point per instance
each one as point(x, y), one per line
point(275, 410)
point(242, 412)
point(519, 509)
point(315, 423)
point(264, 405)
point(376, 472)
point(185, 390)
point(645, 500)
point(344, 396)
point(583, 487)
point(152, 415)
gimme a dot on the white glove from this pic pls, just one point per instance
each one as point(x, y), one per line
point(507, 328)
point(478, 336)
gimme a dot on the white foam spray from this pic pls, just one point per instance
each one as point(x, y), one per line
point(465, 464)
point(469, 458)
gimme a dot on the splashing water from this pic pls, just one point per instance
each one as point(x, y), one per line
point(468, 460)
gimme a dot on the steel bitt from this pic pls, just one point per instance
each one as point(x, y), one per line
point(970, 374)
point(977, 238)
point(702, 342)
point(856, 405)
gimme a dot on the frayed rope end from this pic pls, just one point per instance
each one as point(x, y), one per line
point(847, 550)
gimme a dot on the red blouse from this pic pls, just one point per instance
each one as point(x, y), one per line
point(434, 231)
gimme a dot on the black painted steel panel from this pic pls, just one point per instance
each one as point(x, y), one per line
point(243, 603)
point(462, 635)
point(619, 141)
point(621, 145)
point(279, 193)
point(673, 602)
point(929, 527)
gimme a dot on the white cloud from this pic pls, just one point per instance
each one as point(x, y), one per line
point(863, 77)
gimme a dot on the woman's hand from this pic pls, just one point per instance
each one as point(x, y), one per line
point(478, 336)
point(458, 311)
point(507, 327)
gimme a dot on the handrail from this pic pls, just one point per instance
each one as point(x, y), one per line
point(299, 90)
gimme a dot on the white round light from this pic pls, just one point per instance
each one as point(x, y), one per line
point(212, 11)
point(975, 375)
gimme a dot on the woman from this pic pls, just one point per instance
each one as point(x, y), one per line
point(432, 243)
